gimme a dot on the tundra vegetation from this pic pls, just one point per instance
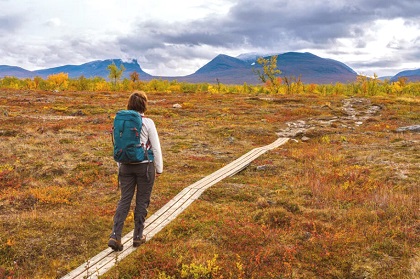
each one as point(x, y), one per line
point(339, 200)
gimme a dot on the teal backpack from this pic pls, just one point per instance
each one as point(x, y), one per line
point(126, 138)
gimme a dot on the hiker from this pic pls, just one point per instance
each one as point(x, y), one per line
point(137, 177)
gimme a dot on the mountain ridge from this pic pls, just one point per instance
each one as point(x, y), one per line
point(411, 75)
point(309, 67)
point(94, 68)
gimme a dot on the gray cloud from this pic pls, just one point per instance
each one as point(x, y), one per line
point(280, 25)
point(384, 63)
point(274, 23)
point(249, 25)
point(389, 9)
point(10, 23)
point(412, 55)
point(389, 65)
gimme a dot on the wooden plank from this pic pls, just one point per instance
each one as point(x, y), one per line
point(226, 171)
point(106, 259)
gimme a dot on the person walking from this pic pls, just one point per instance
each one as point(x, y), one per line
point(138, 177)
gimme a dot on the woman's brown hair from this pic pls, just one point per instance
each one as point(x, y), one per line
point(137, 101)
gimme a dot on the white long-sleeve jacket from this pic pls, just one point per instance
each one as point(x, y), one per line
point(149, 135)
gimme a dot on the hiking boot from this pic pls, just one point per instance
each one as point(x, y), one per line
point(115, 244)
point(137, 241)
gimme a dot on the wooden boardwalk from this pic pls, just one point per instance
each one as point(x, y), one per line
point(106, 259)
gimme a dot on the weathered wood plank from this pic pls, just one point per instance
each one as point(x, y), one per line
point(106, 259)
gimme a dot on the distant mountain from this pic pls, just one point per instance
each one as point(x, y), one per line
point(314, 69)
point(311, 69)
point(223, 68)
point(14, 71)
point(411, 75)
point(97, 68)
point(383, 78)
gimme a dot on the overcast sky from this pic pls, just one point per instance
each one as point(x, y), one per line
point(175, 38)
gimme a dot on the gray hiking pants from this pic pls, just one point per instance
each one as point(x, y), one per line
point(137, 178)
